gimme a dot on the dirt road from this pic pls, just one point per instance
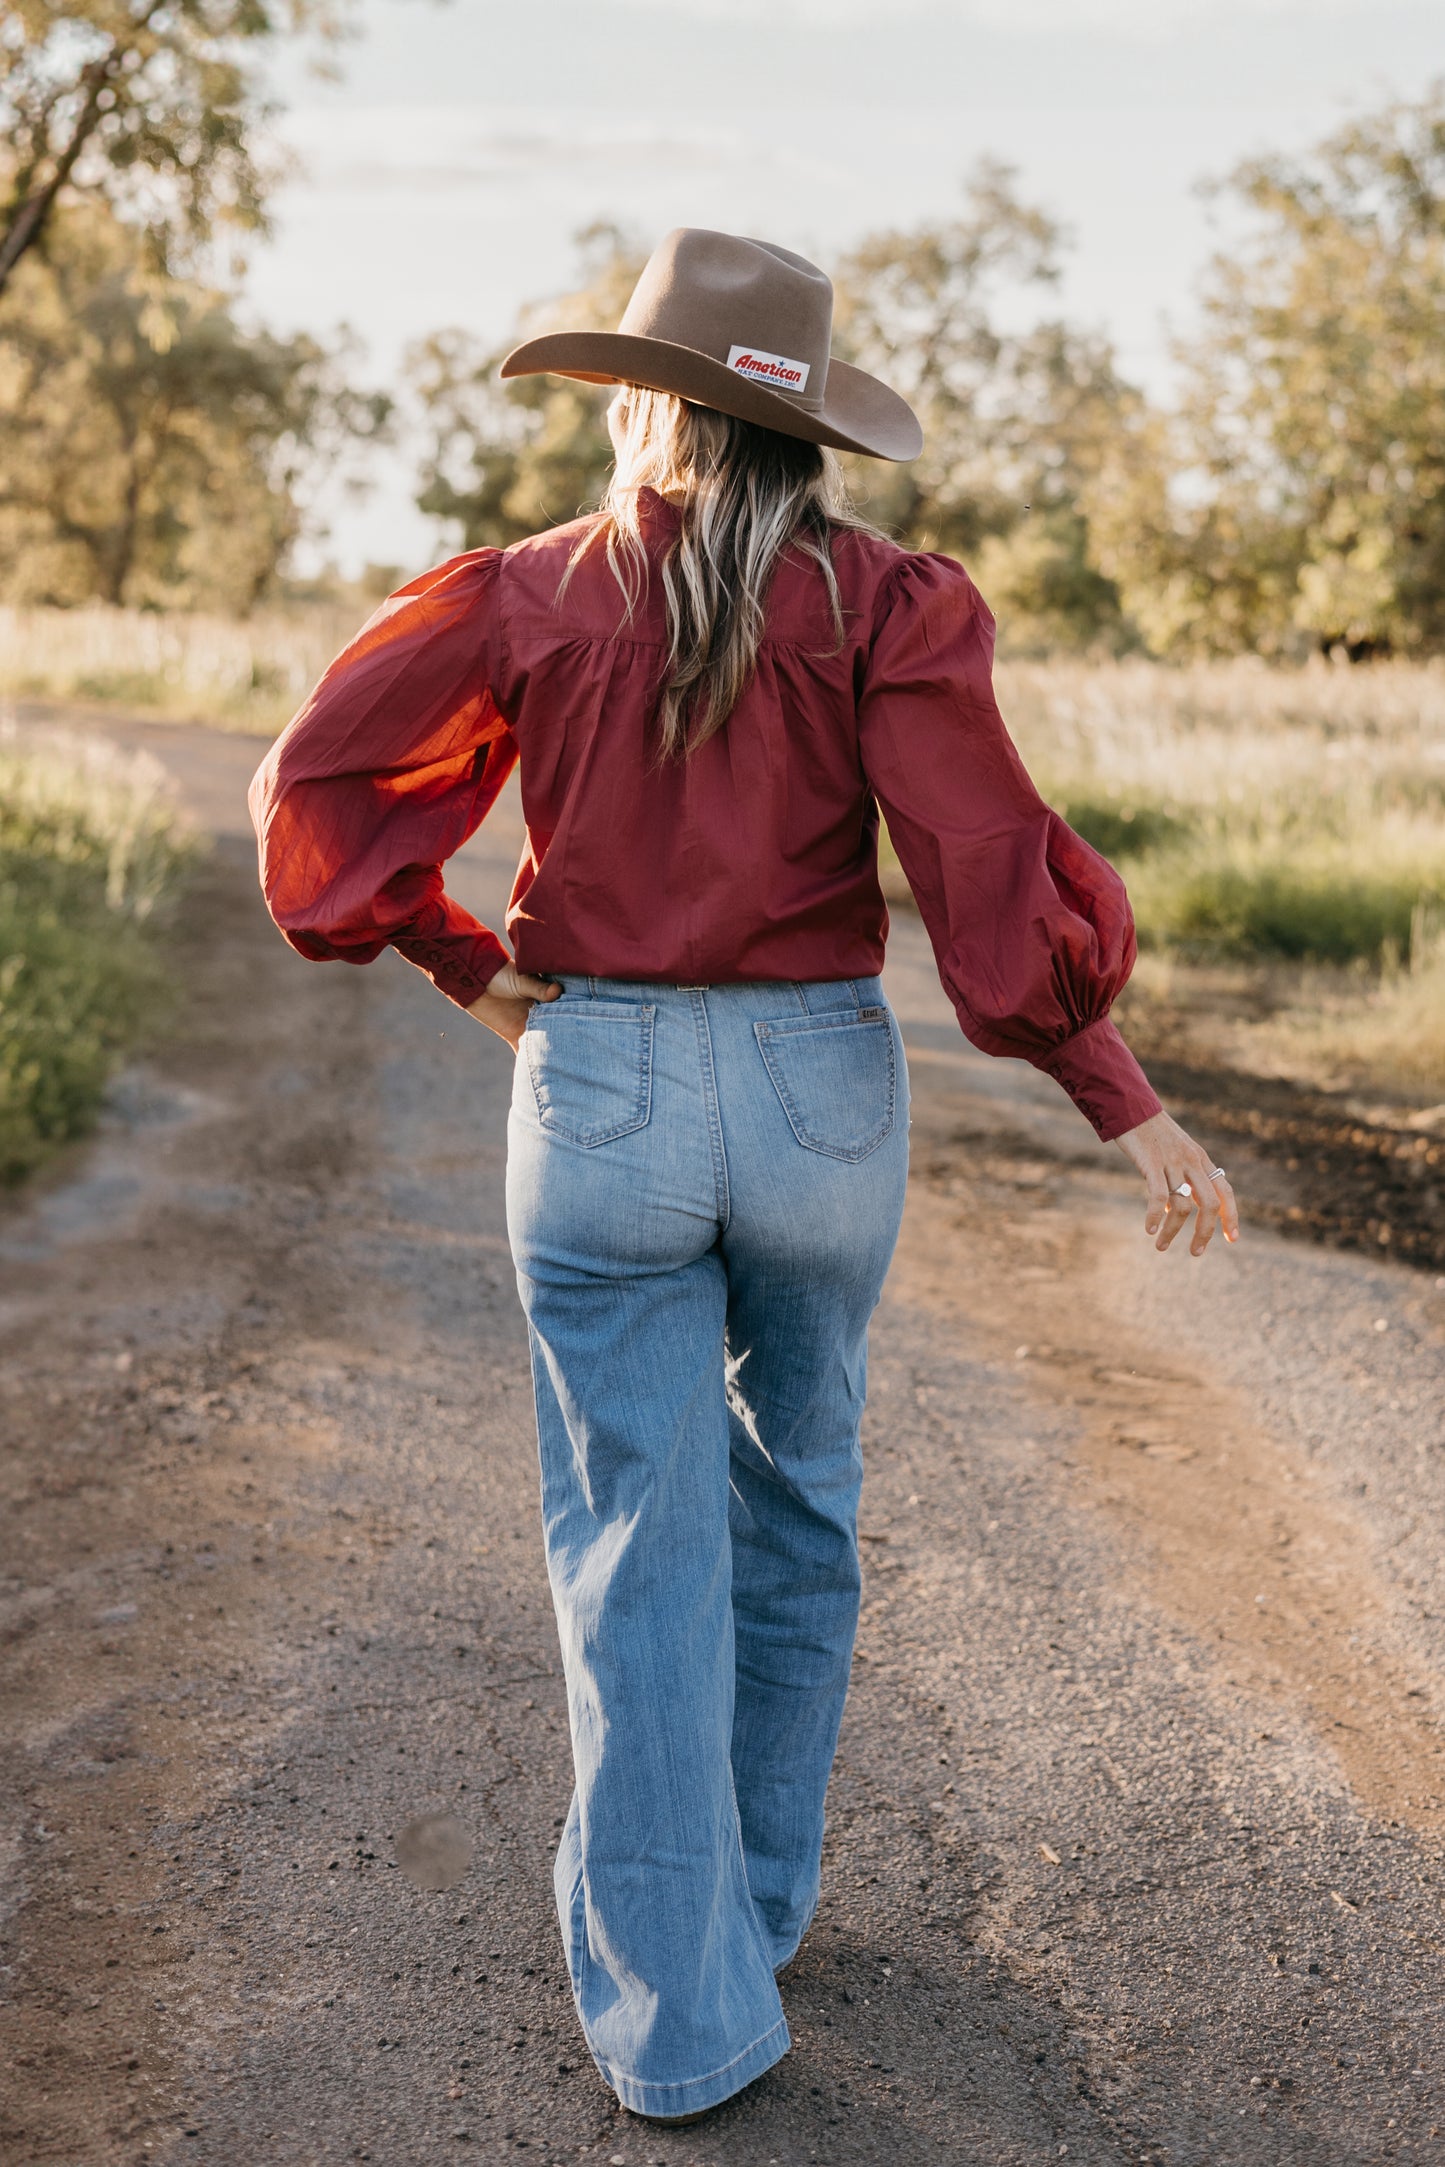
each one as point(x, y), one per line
point(1135, 1846)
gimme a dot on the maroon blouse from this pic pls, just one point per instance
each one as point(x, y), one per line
point(755, 858)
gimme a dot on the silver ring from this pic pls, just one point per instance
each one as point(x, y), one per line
point(1217, 1173)
point(1183, 1190)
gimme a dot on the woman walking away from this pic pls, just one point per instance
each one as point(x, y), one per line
point(712, 686)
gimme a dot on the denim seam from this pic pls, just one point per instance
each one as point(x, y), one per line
point(714, 1118)
point(676, 2084)
point(758, 1935)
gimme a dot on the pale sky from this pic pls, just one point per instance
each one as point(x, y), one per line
point(442, 179)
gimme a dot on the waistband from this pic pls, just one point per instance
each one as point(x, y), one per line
point(813, 997)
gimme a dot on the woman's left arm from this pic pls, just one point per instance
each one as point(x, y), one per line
point(1031, 928)
point(387, 769)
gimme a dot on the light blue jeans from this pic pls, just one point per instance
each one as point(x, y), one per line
point(704, 1186)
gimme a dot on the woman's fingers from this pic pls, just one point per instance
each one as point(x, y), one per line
point(1180, 1210)
point(1153, 1148)
point(510, 984)
point(1182, 1183)
point(1206, 1207)
point(510, 997)
point(1228, 1209)
point(1193, 1193)
point(1157, 1183)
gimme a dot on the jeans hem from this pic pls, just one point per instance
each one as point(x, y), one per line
point(694, 2093)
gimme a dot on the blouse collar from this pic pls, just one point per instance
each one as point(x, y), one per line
point(652, 506)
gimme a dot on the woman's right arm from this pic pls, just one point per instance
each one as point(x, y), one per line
point(1031, 928)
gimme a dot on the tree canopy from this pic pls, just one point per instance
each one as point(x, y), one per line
point(150, 105)
point(503, 460)
point(152, 449)
point(1296, 496)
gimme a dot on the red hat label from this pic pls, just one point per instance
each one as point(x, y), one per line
point(774, 370)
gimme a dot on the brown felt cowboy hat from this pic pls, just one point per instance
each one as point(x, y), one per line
point(742, 326)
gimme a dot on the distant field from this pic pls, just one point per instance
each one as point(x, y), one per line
point(1285, 826)
point(249, 675)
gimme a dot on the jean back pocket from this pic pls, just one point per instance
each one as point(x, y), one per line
point(590, 1064)
point(836, 1075)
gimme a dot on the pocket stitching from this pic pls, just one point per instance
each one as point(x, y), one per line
point(644, 1017)
point(801, 1028)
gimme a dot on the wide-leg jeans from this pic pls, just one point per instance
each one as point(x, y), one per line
point(704, 1188)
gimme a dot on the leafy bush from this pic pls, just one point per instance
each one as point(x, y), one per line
point(91, 846)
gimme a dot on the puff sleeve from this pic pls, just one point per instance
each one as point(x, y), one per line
point(391, 764)
point(1031, 928)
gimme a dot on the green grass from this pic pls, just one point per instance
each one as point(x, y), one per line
point(1306, 898)
point(1120, 829)
point(1297, 912)
point(92, 849)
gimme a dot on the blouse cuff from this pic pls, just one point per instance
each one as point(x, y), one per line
point(1103, 1079)
point(461, 967)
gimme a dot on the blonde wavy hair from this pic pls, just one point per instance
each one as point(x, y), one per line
point(746, 496)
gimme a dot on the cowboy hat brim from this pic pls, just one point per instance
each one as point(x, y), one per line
point(856, 413)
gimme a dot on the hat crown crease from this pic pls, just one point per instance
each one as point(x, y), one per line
point(714, 292)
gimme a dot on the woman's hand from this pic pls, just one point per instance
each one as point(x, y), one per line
point(509, 1000)
point(1171, 1162)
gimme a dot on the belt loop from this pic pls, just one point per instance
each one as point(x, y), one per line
point(591, 987)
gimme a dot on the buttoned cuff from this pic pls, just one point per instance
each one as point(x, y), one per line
point(1103, 1079)
point(460, 965)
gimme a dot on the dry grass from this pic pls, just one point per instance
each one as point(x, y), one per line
point(1260, 812)
point(1387, 1034)
point(248, 676)
point(1288, 826)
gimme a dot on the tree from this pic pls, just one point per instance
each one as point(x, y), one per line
point(1297, 496)
point(152, 451)
point(1017, 424)
point(507, 459)
point(917, 309)
point(149, 104)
